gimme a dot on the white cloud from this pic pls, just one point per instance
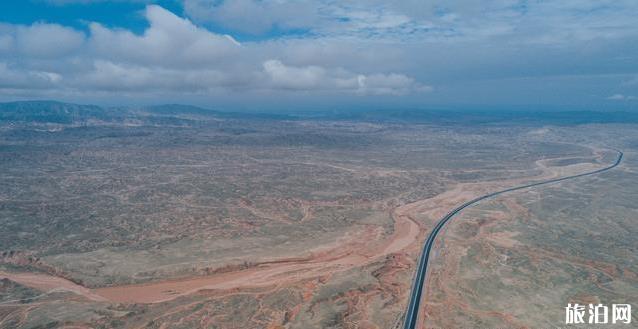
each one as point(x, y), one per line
point(298, 78)
point(253, 16)
point(6, 43)
point(318, 78)
point(522, 22)
point(392, 84)
point(11, 78)
point(109, 76)
point(40, 40)
point(172, 55)
point(169, 41)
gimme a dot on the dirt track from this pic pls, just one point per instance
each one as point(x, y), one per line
point(352, 251)
point(45, 282)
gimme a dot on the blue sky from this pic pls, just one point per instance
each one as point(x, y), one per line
point(76, 14)
point(323, 54)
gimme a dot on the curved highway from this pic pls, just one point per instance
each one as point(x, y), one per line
point(412, 313)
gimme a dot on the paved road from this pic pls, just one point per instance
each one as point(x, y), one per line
point(412, 313)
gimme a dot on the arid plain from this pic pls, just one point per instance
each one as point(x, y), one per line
point(173, 217)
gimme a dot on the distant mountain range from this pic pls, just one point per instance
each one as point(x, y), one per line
point(67, 113)
point(53, 112)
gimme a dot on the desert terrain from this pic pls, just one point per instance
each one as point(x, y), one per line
point(171, 217)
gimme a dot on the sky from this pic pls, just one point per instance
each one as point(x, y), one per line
point(323, 54)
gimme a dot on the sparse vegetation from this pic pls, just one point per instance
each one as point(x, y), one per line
point(106, 198)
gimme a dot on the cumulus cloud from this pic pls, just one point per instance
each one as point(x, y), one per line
point(31, 79)
point(169, 41)
point(40, 40)
point(171, 55)
point(318, 78)
point(109, 76)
